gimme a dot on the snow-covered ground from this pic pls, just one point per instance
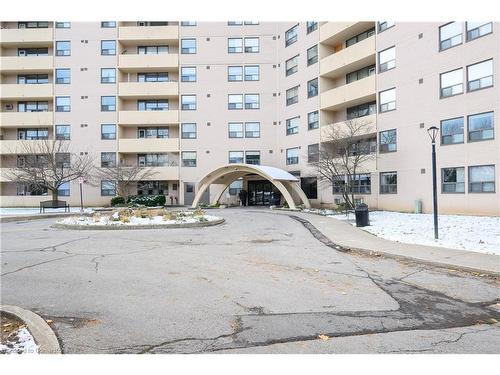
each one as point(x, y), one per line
point(19, 342)
point(7, 211)
point(473, 233)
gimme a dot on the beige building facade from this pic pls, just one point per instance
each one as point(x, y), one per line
point(187, 98)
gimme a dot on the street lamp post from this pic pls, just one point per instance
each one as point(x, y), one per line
point(80, 181)
point(433, 132)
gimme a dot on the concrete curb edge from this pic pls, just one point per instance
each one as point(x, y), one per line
point(152, 226)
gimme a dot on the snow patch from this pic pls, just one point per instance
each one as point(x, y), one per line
point(22, 343)
point(134, 221)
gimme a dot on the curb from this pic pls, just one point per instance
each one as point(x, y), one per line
point(10, 219)
point(135, 227)
point(44, 337)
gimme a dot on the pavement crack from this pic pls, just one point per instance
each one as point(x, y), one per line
point(37, 264)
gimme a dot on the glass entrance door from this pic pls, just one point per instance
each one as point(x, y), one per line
point(260, 193)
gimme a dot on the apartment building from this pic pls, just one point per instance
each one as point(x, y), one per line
point(185, 98)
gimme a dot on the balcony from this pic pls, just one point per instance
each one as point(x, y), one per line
point(162, 173)
point(148, 145)
point(148, 63)
point(148, 90)
point(341, 97)
point(26, 91)
point(334, 33)
point(148, 117)
point(349, 59)
point(19, 147)
point(26, 119)
point(27, 64)
point(370, 121)
point(27, 37)
point(148, 34)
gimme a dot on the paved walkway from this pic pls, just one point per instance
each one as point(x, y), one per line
point(346, 235)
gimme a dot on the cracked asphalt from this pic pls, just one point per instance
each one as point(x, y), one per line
point(259, 283)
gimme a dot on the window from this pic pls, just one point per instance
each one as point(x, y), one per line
point(108, 131)
point(292, 95)
point(188, 131)
point(365, 109)
point(108, 24)
point(188, 46)
point(63, 25)
point(153, 132)
point(234, 73)
point(235, 23)
point(108, 47)
point(309, 186)
point(188, 74)
point(360, 183)
point(63, 104)
point(63, 76)
point(312, 88)
point(387, 59)
point(453, 180)
point(189, 158)
point(360, 74)
point(152, 105)
point(33, 51)
point(108, 75)
point(292, 65)
point(358, 38)
point(363, 147)
point(387, 100)
point(452, 131)
point(482, 179)
point(291, 35)
point(152, 23)
point(235, 187)
point(384, 25)
point(252, 45)
point(252, 157)
point(63, 189)
point(108, 103)
point(452, 83)
point(235, 157)
point(32, 106)
point(234, 45)
point(388, 183)
point(312, 55)
point(33, 134)
point(152, 77)
point(63, 48)
point(108, 188)
point(188, 102)
point(450, 35)
point(152, 50)
point(388, 141)
point(63, 160)
point(153, 187)
point(292, 156)
point(235, 101)
point(188, 23)
point(478, 29)
point(32, 79)
point(63, 132)
point(235, 129)
point(247, 23)
point(152, 160)
point(252, 101)
point(252, 73)
point(32, 25)
point(480, 75)
point(311, 26)
point(108, 159)
point(313, 120)
point(480, 126)
point(252, 129)
point(292, 125)
point(313, 153)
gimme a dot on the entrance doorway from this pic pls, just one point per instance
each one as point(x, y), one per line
point(262, 193)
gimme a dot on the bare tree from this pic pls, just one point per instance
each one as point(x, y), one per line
point(48, 164)
point(344, 151)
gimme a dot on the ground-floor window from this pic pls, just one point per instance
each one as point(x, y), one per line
point(360, 183)
point(310, 187)
point(30, 189)
point(482, 179)
point(453, 180)
point(152, 188)
point(388, 183)
point(108, 188)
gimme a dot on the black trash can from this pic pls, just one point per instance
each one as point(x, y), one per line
point(361, 212)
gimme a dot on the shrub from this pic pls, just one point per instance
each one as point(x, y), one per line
point(147, 200)
point(198, 212)
point(285, 205)
point(115, 201)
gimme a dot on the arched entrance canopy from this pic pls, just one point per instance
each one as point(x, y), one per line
point(284, 181)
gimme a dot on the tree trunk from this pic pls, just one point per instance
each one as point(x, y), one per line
point(55, 195)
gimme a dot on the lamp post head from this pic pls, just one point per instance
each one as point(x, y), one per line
point(433, 132)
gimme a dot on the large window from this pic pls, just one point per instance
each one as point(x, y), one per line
point(32, 79)
point(189, 158)
point(360, 74)
point(361, 110)
point(63, 104)
point(360, 183)
point(108, 24)
point(37, 106)
point(292, 65)
point(388, 141)
point(252, 101)
point(482, 179)
point(32, 25)
point(311, 26)
point(44, 51)
point(63, 160)
point(188, 74)
point(312, 55)
point(108, 131)
point(63, 48)
point(108, 188)
point(252, 157)
point(108, 103)
point(188, 102)
point(153, 132)
point(384, 25)
point(387, 59)
point(453, 180)
point(63, 132)
point(252, 45)
point(313, 120)
point(188, 130)
point(108, 47)
point(108, 159)
point(153, 105)
point(450, 35)
point(387, 100)
point(358, 38)
point(478, 29)
point(32, 134)
point(188, 23)
point(153, 77)
point(452, 131)
point(152, 50)
point(64, 189)
point(388, 183)
point(480, 126)
point(235, 45)
point(313, 153)
point(252, 129)
point(152, 160)
point(480, 75)
point(292, 95)
point(292, 156)
point(235, 187)
point(312, 88)
point(236, 157)
point(292, 125)
point(234, 73)
point(291, 35)
point(63, 76)
point(235, 129)
point(235, 101)
point(452, 83)
point(153, 187)
point(108, 75)
point(252, 73)
point(188, 46)
point(363, 147)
